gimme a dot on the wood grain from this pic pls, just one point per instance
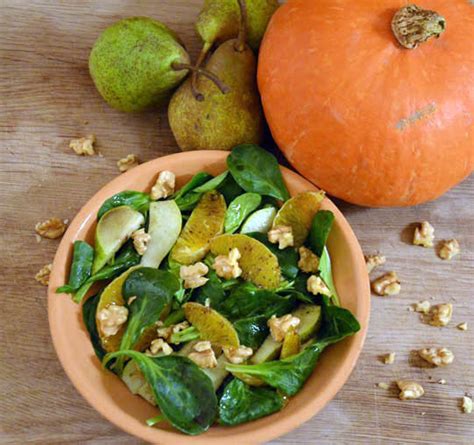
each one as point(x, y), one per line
point(47, 98)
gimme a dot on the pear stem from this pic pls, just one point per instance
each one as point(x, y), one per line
point(177, 66)
point(194, 76)
point(241, 42)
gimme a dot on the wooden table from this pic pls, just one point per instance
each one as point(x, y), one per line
point(46, 99)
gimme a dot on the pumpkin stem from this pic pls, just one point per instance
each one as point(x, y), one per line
point(412, 25)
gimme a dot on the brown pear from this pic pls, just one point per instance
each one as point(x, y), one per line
point(219, 121)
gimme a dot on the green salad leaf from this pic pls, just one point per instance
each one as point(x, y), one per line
point(81, 267)
point(154, 290)
point(290, 374)
point(257, 171)
point(197, 180)
point(242, 403)
point(325, 270)
point(320, 229)
point(213, 291)
point(126, 258)
point(230, 189)
point(252, 331)
point(136, 200)
point(247, 300)
point(89, 309)
point(189, 200)
point(239, 209)
point(182, 391)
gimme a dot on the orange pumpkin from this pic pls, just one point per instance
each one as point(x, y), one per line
point(363, 117)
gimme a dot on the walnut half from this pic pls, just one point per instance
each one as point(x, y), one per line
point(51, 228)
point(409, 390)
point(424, 235)
point(437, 357)
point(387, 284)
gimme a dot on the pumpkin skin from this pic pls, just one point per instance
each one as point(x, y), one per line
point(362, 117)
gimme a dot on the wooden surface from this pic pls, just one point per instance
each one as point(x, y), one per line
point(46, 99)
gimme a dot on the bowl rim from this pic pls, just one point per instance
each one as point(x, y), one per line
point(117, 417)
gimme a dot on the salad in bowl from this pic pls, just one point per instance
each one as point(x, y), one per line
point(212, 302)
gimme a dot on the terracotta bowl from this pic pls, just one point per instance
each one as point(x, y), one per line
point(109, 396)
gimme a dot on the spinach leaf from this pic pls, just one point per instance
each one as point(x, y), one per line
point(287, 258)
point(197, 180)
point(89, 309)
point(174, 317)
point(212, 184)
point(252, 331)
point(242, 403)
point(230, 189)
point(126, 258)
point(325, 270)
point(239, 209)
point(136, 200)
point(182, 391)
point(247, 300)
point(185, 335)
point(154, 290)
point(257, 171)
point(212, 290)
point(81, 267)
point(190, 199)
point(320, 228)
point(290, 374)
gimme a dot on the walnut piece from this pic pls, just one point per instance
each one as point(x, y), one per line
point(383, 385)
point(51, 228)
point(203, 355)
point(423, 307)
point(280, 326)
point(140, 240)
point(308, 262)
point(441, 314)
point(43, 275)
point(131, 300)
point(437, 357)
point(238, 355)
point(449, 249)
point(387, 284)
point(442, 381)
point(462, 326)
point(424, 235)
point(389, 358)
point(127, 163)
point(409, 390)
point(283, 235)
point(164, 185)
point(227, 266)
point(467, 404)
point(316, 286)
point(83, 146)
point(374, 261)
point(159, 345)
point(193, 276)
point(111, 319)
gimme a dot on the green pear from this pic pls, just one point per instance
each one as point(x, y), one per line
point(132, 62)
point(219, 121)
point(219, 20)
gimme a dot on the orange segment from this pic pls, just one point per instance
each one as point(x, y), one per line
point(259, 265)
point(298, 213)
point(206, 221)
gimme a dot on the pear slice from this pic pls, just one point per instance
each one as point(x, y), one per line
point(211, 325)
point(259, 265)
point(298, 213)
point(259, 221)
point(164, 228)
point(113, 229)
